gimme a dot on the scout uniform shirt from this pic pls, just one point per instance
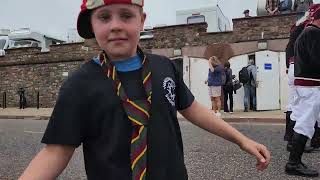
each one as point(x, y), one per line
point(89, 112)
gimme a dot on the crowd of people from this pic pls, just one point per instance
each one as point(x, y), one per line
point(274, 7)
point(287, 6)
point(221, 81)
point(303, 114)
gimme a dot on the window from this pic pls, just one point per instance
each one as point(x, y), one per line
point(21, 43)
point(220, 24)
point(34, 44)
point(2, 43)
point(25, 43)
point(196, 19)
point(146, 34)
point(253, 57)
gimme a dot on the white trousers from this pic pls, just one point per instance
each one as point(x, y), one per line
point(306, 110)
point(291, 75)
point(292, 92)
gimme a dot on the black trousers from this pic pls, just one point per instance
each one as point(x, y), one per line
point(228, 94)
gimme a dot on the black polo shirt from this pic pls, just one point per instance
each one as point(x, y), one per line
point(89, 112)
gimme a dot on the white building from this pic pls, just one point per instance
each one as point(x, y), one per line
point(272, 91)
point(24, 37)
point(4, 40)
point(213, 15)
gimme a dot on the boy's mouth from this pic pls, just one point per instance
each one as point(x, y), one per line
point(117, 39)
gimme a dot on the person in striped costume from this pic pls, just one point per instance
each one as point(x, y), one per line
point(122, 107)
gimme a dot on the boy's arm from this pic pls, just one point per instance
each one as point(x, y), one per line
point(48, 163)
point(202, 117)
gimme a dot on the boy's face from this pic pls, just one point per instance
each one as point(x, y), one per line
point(117, 29)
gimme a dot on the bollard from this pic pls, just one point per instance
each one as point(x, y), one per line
point(38, 100)
point(4, 100)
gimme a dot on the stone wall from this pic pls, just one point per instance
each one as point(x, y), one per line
point(42, 72)
point(244, 29)
point(272, 27)
point(39, 72)
point(43, 78)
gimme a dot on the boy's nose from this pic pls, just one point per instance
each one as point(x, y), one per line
point(116, 24)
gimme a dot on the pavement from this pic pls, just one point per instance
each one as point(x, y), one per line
point(276, 116)
point(28, 113)
point(206, 156)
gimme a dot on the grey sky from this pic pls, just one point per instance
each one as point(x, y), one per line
point(56, 17)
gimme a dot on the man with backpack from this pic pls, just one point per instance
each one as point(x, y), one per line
point(247, 76)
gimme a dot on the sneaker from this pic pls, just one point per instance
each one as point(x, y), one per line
point(231, 112)
point(218, 114)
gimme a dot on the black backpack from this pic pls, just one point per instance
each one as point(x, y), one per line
point(244, 75)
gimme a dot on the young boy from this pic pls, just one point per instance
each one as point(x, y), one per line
point(122, 106)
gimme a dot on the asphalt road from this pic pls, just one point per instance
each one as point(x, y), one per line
point(207, 157)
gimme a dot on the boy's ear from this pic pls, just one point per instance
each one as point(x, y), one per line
point(143, 19)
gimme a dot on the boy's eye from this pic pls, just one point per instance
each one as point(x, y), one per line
point(126, 15)
point(104, 16)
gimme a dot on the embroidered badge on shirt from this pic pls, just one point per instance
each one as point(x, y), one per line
point(170, 86)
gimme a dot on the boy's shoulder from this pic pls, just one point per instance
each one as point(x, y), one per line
point(155, 57)
point(160, 62)
point(82, 75)
point(88, 68)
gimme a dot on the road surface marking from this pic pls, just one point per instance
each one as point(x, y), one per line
point(33, 132)
point(258, 123)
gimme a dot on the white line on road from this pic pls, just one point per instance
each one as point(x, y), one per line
point(244, 123)
point(33, 132)
point(259, 123)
